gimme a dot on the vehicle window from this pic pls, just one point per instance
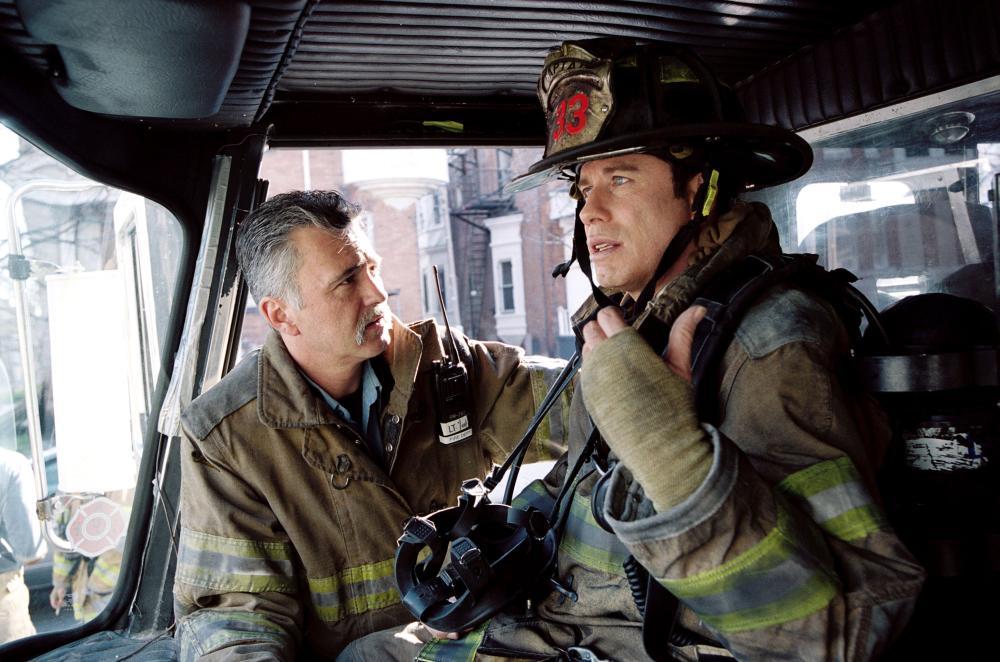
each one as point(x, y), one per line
point(424, 207)
point(446, 208)
point(85, 293)
point(903, 198)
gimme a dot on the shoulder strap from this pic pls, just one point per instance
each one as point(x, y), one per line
point(730, 295)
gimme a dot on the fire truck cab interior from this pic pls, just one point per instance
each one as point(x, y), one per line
point(136, 136)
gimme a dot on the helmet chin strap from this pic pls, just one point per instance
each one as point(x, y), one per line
point(702, 208)
point(581, 253)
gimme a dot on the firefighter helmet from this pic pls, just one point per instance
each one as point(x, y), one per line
point(609, 96)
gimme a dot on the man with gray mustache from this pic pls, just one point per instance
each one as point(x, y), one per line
point(300, 466)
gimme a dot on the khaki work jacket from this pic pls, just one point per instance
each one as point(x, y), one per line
point(289, 528)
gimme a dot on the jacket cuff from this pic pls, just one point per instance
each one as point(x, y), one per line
point(631, 513)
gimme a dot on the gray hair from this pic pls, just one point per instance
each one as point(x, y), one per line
point(264, 250)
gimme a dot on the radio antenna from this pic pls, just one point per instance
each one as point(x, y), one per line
point(444, 313)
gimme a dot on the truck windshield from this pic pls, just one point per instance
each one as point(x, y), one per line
point(85, 295)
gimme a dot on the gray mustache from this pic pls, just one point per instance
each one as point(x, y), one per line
point(376, 312)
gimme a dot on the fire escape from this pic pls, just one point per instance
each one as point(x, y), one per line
point(475, 193)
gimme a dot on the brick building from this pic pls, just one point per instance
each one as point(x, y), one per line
point(510, 245)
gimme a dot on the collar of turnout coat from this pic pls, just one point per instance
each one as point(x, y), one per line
point(745, 229)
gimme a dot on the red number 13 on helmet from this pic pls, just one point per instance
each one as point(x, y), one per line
point(571, 115)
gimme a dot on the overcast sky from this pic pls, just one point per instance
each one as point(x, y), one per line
point(368, 164)
point(8, 145)
point(8, 152)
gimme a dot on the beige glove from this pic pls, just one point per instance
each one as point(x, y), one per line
point(646, 414)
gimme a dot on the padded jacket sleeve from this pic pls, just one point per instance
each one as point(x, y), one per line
point(782, 551)
point(235, 590)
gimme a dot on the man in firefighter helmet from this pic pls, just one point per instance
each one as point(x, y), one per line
point(757, 516)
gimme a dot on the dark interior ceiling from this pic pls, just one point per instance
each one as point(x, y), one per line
point(463, 49)
point(112, 85)
point(222, 64)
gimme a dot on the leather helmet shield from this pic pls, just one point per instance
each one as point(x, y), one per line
point(575, 91)
point(657, 95)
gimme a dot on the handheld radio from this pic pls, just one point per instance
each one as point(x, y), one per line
point(451, 386)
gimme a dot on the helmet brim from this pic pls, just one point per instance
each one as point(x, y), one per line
point(768, 155)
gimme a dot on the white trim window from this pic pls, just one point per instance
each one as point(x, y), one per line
point(505, 278)
point(508, 278)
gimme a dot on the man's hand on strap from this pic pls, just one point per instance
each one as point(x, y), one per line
point(610, 321)
point(644, 406)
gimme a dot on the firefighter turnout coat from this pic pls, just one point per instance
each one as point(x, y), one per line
point(782, 552)
point(289, 527)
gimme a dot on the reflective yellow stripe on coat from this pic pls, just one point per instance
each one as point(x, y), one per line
point(787, 575)
point(588, 544)
point(355, 591)
point(232, 564)
point(552, 435)
point(834, 495)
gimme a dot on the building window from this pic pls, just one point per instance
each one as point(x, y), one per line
point(427, 303)
point(436, 214)
point(503, 166)
point(507, 286)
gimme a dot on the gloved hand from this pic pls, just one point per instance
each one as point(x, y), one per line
point(57, 598)
point(643, 406)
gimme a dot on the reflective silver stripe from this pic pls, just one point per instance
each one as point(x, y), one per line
point(586, 542)
point(368, 587)
point(555, 425)
point(836, 501)
point(784, 577)
point(835, 497)
point(208, 629)
point(355, 591)
point(233, 564)
point(763, 587)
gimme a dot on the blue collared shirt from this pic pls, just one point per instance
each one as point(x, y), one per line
point(371, 395)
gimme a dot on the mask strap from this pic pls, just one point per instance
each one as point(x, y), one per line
point(581, 254)
point(703, 208)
